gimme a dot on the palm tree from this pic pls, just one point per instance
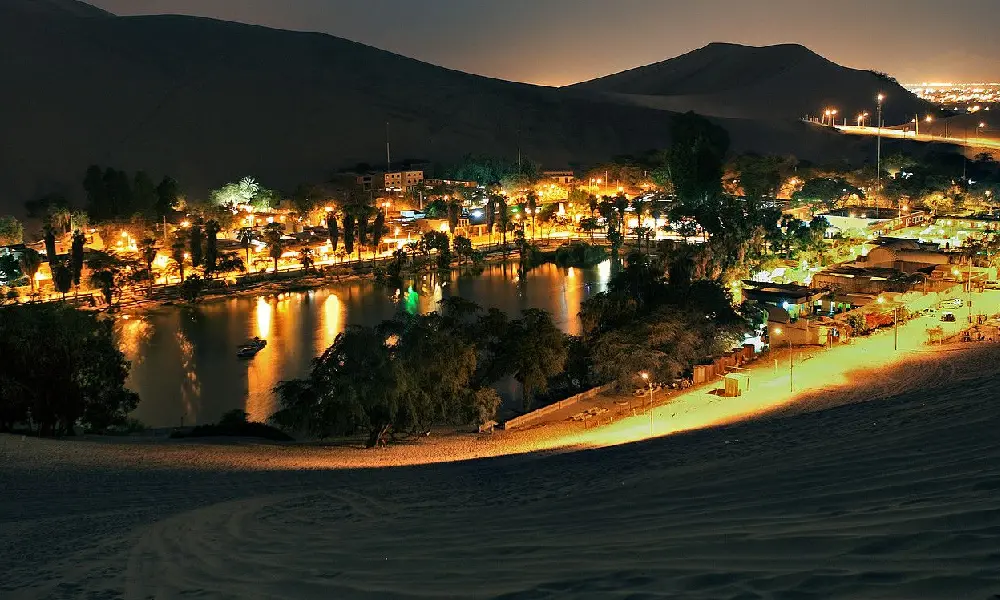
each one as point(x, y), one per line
point(532, 201)
point(306, 258)
point(589, 225)
point(503, 218)
point(177, 251)
point(147, 250)
point(60, 219)
point(30, 261)
point(212, 229)
point(246, 237)
point(272, 237)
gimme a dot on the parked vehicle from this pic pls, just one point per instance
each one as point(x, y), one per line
point(993, 285)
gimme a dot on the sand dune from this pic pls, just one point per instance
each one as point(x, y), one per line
point(885, 487)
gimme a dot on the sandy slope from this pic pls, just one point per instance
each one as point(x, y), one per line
point(893, 498)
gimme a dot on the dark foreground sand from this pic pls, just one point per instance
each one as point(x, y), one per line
point(886, 487)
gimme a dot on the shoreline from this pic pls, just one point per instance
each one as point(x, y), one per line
point(694, 409)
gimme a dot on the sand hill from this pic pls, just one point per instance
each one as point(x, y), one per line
point(785, 81)
point(210, 101)
point(881, 485)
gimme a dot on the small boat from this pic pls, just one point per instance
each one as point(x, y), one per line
point(251, 348)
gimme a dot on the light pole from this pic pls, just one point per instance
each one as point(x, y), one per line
point(895, 324)
point(791, 362)
point(645, 377)
point(878, 146)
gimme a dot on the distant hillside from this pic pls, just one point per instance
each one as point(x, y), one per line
point(209, 101)
point(786, 81)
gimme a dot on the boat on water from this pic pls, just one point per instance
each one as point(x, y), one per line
point(251, 348)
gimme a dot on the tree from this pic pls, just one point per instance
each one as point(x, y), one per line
point(463, 248)
point(62, 368)
point(30, 262)
point(147, 252)
point(349, 233)
point(589, 225)
point(378, 230)
point(695, 158)
point(97, 191)
point(531, 199)
point(144, 197)
point(454, 214)
point(246, 237)
point(273, 233)
point(503, 218)
point(49, 238)
point(11, 231)
point(491, 216)
point(334, 233)
point(831, 192)
point(192, 288)
point(167, 194)
point(537, 351)
point(212, 229)
point(76, 256)
point(178, 251)
point(196, 241)
point(306, 258)
point(62, 277)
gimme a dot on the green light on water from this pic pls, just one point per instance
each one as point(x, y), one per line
point(411, 301)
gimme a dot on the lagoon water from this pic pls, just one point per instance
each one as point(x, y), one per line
point(184, 363)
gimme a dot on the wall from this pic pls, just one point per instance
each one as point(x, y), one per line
point(530, 418)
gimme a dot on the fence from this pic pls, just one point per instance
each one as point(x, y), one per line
point(529, 418)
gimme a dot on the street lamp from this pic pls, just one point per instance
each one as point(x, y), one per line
point(878, 151)
point(979, 127)
point(791, 363)
point(645, 377)
point(895, 324)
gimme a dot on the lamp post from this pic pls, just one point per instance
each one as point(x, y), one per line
point(791, 362)
point(878, 148)
point(895, 324)
point(645, 377)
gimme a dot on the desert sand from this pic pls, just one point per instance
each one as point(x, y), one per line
point(884, 484)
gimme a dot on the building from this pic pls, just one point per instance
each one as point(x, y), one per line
point(866, 221)
point(449, 182)
point(560, 177)
point(904, 255)
point(402, 181)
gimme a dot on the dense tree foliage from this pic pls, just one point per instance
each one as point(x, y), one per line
point(411, 372)
point(11, 231)
point(61, 368)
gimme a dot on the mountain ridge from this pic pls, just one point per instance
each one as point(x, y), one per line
point(289, 107)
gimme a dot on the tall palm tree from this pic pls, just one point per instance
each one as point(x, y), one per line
point(275, 246)
point(246, 237)
point(532, 202)
point(178, 249)
point(147, 250)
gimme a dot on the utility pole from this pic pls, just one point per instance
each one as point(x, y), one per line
point(878, 145)
point(388, 159)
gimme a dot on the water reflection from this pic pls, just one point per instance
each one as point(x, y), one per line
point(184, 359)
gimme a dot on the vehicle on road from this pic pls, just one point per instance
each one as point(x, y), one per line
point(948, 317)
point(952, 303)
point(993, 285)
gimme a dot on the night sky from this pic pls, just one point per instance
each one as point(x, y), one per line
point(557, 42)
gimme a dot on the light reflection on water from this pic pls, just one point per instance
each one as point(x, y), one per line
point(184, 358)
